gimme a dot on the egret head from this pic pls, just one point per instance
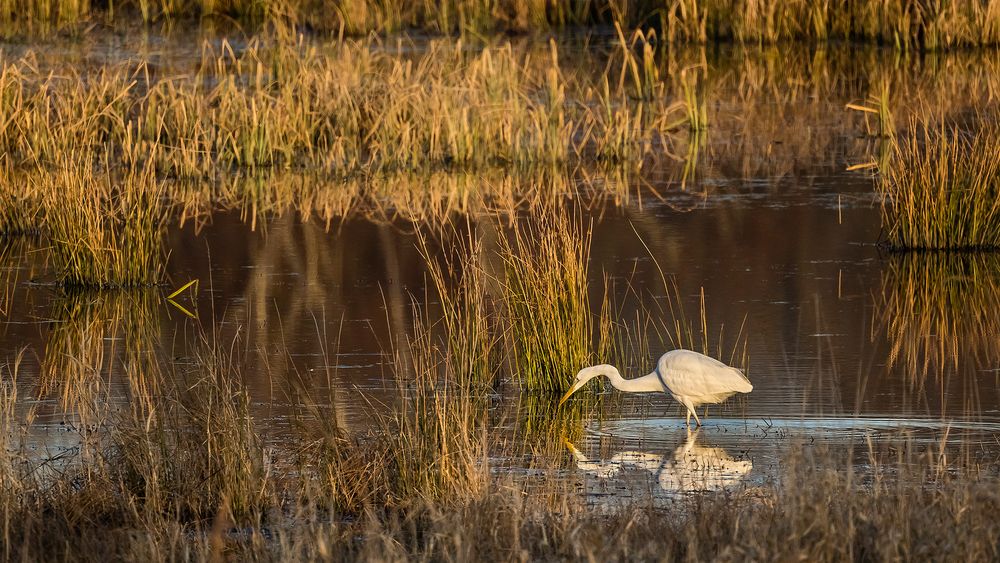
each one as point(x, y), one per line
point(585, 375)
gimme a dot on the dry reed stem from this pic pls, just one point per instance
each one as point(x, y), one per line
point(942, 188)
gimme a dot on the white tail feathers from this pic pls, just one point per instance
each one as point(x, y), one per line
point(742, 385)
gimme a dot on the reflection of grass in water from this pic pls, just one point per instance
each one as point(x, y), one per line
point(432, 197)
point(939, 311)
point(942, 188)
point(542, 425)
point(668, 318)
point(91, 333)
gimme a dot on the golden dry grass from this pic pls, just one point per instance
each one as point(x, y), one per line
point(184, 469)
point(942, 188)
point(104, 229)
point(905, 25)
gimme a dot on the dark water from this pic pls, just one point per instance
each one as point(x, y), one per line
point(772, 230)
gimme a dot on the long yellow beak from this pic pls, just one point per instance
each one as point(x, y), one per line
point(576, 387)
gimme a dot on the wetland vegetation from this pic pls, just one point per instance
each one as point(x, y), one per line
point(411, 224)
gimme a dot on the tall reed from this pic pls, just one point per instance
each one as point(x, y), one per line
point(942, 188)
point(546, 262)
point(469, 318)
point(105, 230)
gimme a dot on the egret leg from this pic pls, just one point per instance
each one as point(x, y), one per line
point(696, 417)
point(687, 421)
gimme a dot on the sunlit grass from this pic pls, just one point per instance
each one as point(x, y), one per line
point(350, 110)
point(104, 230)
point(469, 317)
point(942, 188)
point(546, 260)
point(20, 205)
point(904, 25)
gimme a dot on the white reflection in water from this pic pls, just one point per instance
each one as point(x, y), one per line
point(690, 468)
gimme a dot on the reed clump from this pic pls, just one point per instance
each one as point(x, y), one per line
point(104, 229)
point(942, 188)
point(354, 109)
point(20, 206)
point(902, 24)
point(191, 450)
point(546, 262)
point(469, 322)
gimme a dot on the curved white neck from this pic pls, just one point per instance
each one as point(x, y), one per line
point(617, 381)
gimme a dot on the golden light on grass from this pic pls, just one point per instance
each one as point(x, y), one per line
point(546, 261)
point(904, 25)
point(942, 188)
point(105, 230)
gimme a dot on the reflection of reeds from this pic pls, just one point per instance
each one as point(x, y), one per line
point(94, 334)
point(939, 311)
point(878, 105)
point(942, 189)
point(695, 103)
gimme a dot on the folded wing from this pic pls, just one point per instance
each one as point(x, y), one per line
point(704, 379)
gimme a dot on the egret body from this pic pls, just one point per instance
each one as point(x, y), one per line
point(692, 379)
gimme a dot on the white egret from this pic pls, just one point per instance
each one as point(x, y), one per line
point(692, 379)
point(690, 468)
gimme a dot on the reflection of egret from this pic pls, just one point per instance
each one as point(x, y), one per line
point(692, 467)
point(691, 378)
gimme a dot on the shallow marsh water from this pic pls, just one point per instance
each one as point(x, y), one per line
point(769, 227)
